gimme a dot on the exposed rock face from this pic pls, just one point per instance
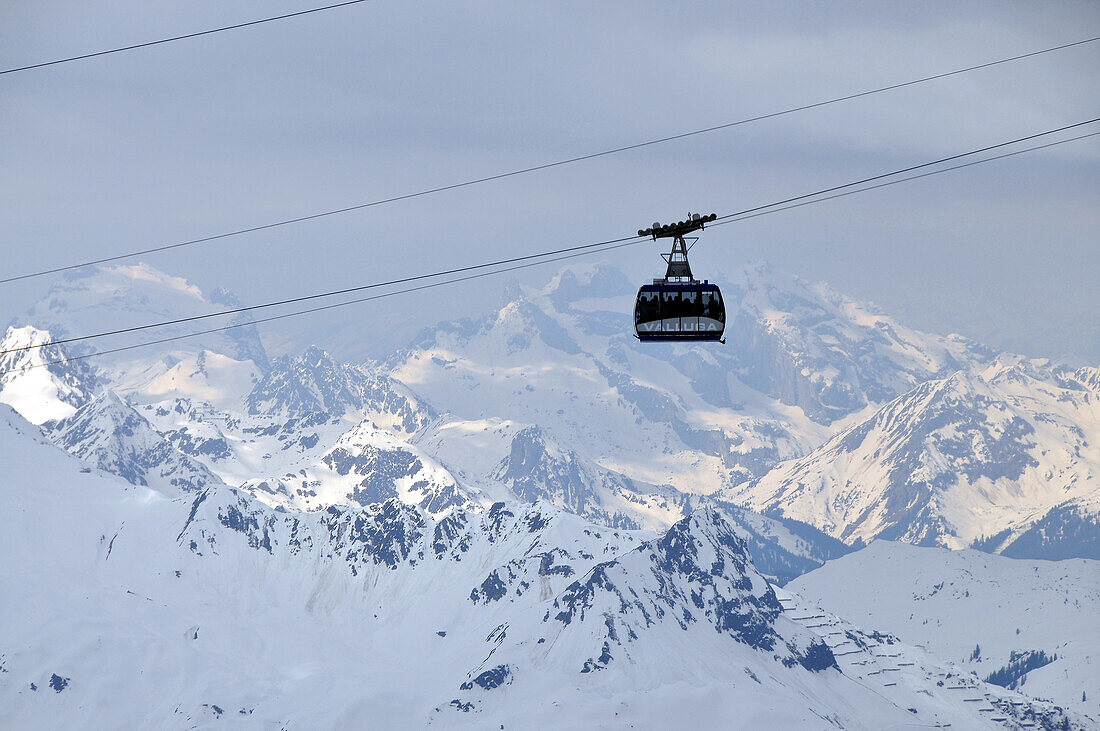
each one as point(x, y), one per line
point(315, 382)
point(108, 434)
point(538, 468)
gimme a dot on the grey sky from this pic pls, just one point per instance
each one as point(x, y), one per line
point(241, 128)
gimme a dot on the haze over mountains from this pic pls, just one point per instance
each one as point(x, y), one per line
point(535, 485)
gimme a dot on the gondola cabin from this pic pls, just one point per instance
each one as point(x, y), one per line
point(665, 311)
point(678, 307)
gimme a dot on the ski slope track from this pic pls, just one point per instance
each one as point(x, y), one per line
point(978, 611)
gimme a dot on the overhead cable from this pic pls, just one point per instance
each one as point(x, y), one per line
point(735, 217)
point(210, 31)
point(915, 167)
point(782, 205)
point(320, 295)
point(531, 169)
point(310, 310)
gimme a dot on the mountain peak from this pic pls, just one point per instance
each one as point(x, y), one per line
point(41, 383)
point(580, 281)
point(94, 299)
point(316, 357)
point(24, 337)
point(979, 453)
point(539, 468)
point(316, 385)
point(668, 592)
point(111, 435)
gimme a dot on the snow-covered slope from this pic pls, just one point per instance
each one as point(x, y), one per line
point(139, 610)
point(205, 377)
point(955, 462)
point(893, 669)
point(634, 621)
point(987, 613)
point(41, 383)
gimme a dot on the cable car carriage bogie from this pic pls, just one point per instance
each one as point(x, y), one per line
point(678, 307)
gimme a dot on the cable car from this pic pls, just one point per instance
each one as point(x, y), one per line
point(678, 307)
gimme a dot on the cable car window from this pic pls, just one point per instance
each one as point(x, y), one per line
point(711, 305)
point(649, 307)
point(670, 304)
point(689, 312)
point(670, 311)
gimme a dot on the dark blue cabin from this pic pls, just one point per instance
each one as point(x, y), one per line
point(679, 307)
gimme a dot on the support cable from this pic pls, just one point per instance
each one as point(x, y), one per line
point(527, 257)
point(573, 253)
point(534, 168)
point(180, 37)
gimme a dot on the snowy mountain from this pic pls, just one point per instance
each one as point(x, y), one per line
point(315, 382)
point(810, 346)
point(549, 397)
point(384, 615)
point(954, 462)
point(634, 429)
point(538, 468)
point(41, 383)
point(978, 611)
point(108, 434)
point(693, 586)
point(266, 430)
point(800, 360)
point(204, 377)
point(98, 299)
point(367, 465)
point(530, 519)
point(781, 548)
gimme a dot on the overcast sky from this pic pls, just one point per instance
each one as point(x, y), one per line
point(250, 126)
